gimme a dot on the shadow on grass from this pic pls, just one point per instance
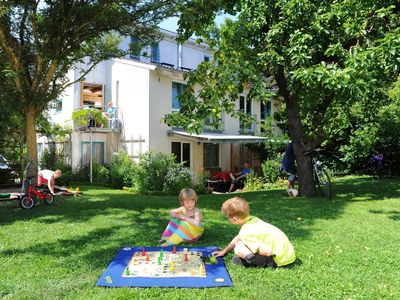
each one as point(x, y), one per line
point(145, 217)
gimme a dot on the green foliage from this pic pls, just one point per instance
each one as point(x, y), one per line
point(254, 183)
point(49, 159)
point(158, 171)
point(86, 117)
point(121, 170)
point(330, 60)
point(271, 170)
point(41, 41)
point(177, 178)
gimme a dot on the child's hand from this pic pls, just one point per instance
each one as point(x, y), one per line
point(218, 253)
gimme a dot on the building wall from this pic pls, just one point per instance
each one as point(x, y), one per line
point(132, 79)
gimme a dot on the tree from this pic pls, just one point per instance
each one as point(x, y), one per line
point(326, 58)
point(40, 41)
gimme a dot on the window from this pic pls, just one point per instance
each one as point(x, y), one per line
point(58, 105)
point(177, 90)
point(134, 48)
point(97, 152)
point(210, 155)
point(91, 95)
point(244, 106)
point(182, 152)
point(155, 53)
point(265, 112)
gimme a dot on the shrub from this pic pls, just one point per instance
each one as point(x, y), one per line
point(177, 178)
point(100, 174)
point(121, 170)
point(254, 183)
point(271, 170)
point(48, 159)
point(159, 172)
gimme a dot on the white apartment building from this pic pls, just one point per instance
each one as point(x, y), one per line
point(144, 90)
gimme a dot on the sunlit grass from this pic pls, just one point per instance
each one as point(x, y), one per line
point(347, 248)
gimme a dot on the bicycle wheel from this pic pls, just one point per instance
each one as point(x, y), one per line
point(49, 199)
point(324, 182)
point(26, 202)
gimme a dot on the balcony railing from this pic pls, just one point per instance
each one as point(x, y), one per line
point(85, 118)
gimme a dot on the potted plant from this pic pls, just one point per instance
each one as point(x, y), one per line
point(89, 118)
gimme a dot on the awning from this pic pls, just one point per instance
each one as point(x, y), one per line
point(218, 138)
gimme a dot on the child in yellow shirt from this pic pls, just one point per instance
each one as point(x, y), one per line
point(258, 243)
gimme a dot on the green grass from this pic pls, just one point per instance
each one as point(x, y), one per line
point(347, 248)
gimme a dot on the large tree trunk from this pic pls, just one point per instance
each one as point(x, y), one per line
point(304, 171)
point(297, 135)
point(30, 130)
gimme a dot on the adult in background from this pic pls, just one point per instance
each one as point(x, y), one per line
point(47, 177)
point(111, 114)
point(289, 165)
point(236, 177)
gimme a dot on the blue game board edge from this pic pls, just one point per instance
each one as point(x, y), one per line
point(201, 282)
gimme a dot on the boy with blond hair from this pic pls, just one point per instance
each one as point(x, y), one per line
point(258, 243)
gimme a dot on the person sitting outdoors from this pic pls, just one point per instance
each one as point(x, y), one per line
point(236, 177)
point(47, 177)
point(258, 243)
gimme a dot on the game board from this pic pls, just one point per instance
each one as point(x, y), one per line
point(165, 264)
point(165, 267)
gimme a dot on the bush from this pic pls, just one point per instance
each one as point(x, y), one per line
point(157, 171)
point(177, 178)
point(48, 160)
point(271, 170)
point(254, 183)
point(121, 170)
point(101, 174)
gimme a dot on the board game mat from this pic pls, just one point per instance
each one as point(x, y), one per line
point(182, 267)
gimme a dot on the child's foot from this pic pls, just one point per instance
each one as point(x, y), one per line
point(236, 260)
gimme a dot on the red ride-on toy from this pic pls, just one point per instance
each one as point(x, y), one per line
point(31, 193)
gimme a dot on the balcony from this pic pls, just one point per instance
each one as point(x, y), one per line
point(96, 120)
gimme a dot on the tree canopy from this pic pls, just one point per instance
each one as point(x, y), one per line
point(40, 41)
point(331, 61)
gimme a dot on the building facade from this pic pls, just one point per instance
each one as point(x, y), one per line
point(144, 89)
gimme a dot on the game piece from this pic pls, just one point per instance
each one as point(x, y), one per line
point(213, 259)
point(185, 250)
point(174, 250)
point(186, 257)
point(70, 189)
point(143, 252)
point(147, 257)
point(77, 189)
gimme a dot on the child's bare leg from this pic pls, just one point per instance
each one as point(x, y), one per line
point(242, 251)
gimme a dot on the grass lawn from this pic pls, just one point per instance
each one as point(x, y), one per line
point(347, 248)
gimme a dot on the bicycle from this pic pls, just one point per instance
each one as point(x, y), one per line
point(321, 175)
point(31, 192)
